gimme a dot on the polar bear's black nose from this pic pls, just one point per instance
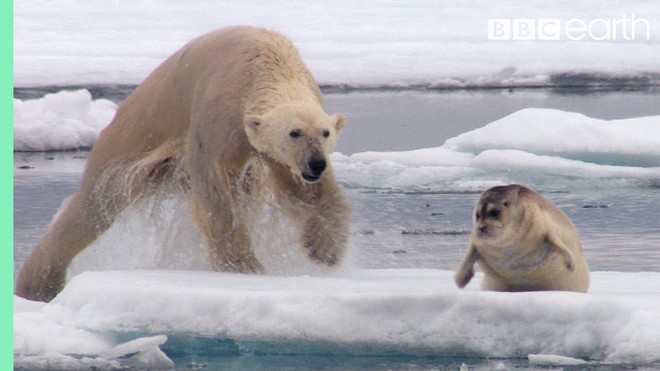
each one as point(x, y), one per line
point(317, 165)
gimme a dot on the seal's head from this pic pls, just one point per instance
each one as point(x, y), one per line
point(499, 213)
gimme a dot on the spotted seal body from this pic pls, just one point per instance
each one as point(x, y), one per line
point(523, 242)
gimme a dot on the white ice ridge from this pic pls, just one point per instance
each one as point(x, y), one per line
point(411, 311)
point(60, 121)
point(571, 135)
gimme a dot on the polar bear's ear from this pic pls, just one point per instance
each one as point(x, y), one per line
point(252, 122)
point(340, 121)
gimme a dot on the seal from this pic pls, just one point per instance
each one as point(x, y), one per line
point(523, 242)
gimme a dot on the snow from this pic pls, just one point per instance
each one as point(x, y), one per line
point(389, 43)
point(370, 312)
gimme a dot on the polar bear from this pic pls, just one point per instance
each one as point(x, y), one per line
point(232, 116)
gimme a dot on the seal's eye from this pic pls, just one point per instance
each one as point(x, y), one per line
point(494, 213)
point(325, 133)
point(295, 133)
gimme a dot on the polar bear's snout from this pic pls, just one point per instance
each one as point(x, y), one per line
point(317, 165)
point(313, 168)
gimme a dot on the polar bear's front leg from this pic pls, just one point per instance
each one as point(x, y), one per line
point(224, 228)
point(326, 230)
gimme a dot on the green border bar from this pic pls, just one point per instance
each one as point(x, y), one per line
point(6, 186)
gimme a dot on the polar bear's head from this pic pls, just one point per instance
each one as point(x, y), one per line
point(298, 136)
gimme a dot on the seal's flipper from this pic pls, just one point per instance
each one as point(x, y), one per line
point(569, 259)
point(465, 270)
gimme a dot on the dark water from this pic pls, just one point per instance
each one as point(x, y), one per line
point(620, 228)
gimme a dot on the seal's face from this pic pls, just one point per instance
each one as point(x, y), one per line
point(497, 214)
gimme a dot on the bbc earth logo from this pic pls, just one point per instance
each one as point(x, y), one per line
point(625, 28)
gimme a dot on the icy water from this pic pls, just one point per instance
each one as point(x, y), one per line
point(620, 227)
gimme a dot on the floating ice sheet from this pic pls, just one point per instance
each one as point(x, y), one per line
point(367, 312)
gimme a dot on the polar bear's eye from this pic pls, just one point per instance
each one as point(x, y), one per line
point(325, 133)
point(295, 133)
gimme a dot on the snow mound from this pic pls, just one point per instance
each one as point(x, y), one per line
point(62, 121)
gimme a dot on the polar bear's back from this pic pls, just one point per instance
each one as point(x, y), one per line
point(217, 76)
